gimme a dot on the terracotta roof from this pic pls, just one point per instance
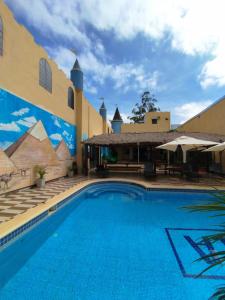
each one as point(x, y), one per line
point(148, 137)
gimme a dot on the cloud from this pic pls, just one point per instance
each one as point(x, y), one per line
point(191, 27)
point(186, 111)
point(58, 20)
point(56, 121)
point(90, 88)
point(65, 133)
point(125, 76)
point(5, 145)
point(27, 122)
point(20, 112)
point(9, 127)
point(213, 72)
point(63, 57)
point(71, 146)
point(56, 136)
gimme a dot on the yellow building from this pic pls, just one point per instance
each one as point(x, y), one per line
point(136, 143)
point(156, 121)
point(44, 115)
point(210, 120)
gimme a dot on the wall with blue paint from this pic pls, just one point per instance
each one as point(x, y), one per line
point(84, 136)
point(31, 136)
point(116, 126)
point(18, 115)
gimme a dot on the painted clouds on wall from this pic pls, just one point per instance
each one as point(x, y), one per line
point(18, 115)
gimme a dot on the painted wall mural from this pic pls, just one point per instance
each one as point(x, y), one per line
point(31, 136)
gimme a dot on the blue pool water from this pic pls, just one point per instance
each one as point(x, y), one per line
point(113, 241)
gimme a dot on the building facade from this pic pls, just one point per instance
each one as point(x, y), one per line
point(155, 121)
point(44, 116)
point(211, 120)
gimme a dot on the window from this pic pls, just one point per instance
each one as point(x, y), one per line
point(45, 75)
point(154, 121)
point(1, 37)
point(70, 98)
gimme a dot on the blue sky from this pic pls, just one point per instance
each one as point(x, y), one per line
point(174, 48)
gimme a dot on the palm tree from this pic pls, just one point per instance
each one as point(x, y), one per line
point(217, 206)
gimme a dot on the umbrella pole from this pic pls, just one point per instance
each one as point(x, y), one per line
point(168, 157)
point(184, 156)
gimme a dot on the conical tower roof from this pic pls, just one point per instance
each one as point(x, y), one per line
point(103, 105)
point(76, 65)
point(117, 116)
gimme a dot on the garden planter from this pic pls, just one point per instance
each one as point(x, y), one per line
point(40, 183)
point(70, 174)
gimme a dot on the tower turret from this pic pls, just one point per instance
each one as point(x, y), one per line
point(117, 122)
point(76, 76)
point(103, 111)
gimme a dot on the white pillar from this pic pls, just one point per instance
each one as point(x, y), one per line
point(184, 156)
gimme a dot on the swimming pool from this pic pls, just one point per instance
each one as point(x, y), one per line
point(113, 241)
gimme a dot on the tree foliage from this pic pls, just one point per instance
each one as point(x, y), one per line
point(148, 104)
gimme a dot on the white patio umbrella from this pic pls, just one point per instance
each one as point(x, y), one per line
point(186, 143)
point(218, 148)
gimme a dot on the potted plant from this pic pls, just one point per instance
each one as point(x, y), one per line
point(40, 171)
point(70, 172)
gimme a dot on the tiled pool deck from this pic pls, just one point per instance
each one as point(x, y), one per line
point(20, 207)
point(17, 202)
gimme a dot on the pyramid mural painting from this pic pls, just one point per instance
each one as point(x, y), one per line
point(30, 136)
point(6, 165)
point(62, 151)
point(33, 148)
point(18, 116)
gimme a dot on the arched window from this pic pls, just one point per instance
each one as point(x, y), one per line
point(1, 36)
point(45, 75)
point(70, 98)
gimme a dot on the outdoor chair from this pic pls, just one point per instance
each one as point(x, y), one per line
point(149, 170)
point(189, 173)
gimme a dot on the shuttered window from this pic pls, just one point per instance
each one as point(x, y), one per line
point(45, 75)
point(1, 36)
point(70, 98)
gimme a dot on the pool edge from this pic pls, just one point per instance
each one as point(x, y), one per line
point(11, 229)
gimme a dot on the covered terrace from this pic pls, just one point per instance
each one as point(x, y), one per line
point(131, 151)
